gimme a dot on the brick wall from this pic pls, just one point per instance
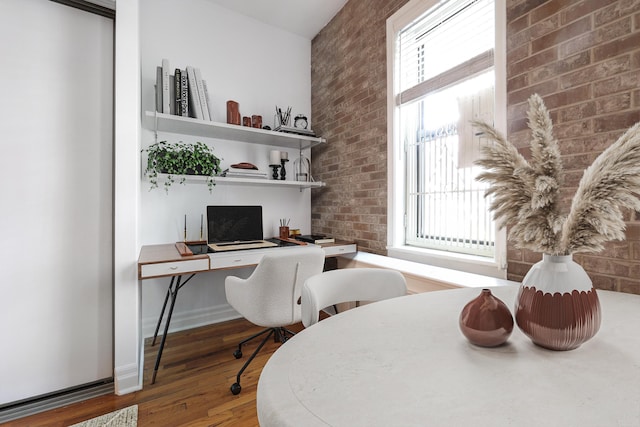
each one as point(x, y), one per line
point(582, 57)
point(349, 108)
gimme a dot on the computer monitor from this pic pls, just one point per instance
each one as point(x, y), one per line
point(234, 223)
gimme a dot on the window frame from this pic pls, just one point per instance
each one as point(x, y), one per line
point(496, 266)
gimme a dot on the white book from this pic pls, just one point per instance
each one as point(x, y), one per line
point(195, 105)
point(206, 97)
point(201, 94)
point(159, 89)
point(166, 88)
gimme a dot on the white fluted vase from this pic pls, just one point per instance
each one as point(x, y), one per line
point(557, 306)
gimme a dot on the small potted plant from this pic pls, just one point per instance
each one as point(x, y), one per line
point(180, 159)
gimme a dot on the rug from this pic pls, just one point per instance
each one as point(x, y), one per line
point(125, 417)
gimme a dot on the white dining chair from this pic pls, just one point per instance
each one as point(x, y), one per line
point(269, 297)
point(347, 285)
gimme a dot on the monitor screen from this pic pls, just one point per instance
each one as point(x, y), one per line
point(234, 223)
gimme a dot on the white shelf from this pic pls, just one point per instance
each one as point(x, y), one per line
point(221, 180)
point(190, 126)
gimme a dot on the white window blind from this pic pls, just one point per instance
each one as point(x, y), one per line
point(446, 80)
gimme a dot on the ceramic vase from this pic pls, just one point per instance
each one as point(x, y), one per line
point(557, 306)
point(486, 320)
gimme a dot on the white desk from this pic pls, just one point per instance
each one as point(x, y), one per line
point(404, 362)
point(166, 261)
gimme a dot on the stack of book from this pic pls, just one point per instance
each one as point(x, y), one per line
point(243, 173)
point(316, 238)
point(183, 93)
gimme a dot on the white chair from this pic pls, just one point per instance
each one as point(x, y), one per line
point(346, 285)
point(269, 297)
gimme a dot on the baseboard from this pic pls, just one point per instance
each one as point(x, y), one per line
point(191, 319)
point(55, 400)
point(127, 379)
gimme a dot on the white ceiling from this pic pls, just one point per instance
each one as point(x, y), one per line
point(302, 17)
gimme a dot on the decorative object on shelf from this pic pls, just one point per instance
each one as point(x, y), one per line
point(486, 320)
point(180, 159)
point(233, 113)
point(284, 158)
point(526, 198)
point(282, 118)
point(243, 170)
point(246, 121)
point(302, 166)
point(274, 162)
point(300, 121)
point(256, 121)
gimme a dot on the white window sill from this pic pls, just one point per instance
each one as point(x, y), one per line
point(448, 261)
point(438, 274)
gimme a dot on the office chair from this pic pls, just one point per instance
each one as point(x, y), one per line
point(269, 297)
point(350, 284)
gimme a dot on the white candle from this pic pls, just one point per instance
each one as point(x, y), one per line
point(284, 155)
point(274, 157)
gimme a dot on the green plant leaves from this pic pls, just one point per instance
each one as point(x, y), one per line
point(180, 159)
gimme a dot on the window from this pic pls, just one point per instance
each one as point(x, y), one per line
point(446, 67)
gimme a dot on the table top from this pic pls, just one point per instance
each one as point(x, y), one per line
point(405, 362)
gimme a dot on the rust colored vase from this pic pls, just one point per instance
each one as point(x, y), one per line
point(557, 306)
point(486, 321)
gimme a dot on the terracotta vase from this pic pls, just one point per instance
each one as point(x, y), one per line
point(557, 306)
point(486, 321)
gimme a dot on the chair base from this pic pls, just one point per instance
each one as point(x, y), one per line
point(279, 334)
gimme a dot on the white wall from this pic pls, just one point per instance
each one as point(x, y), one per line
point(241, 59)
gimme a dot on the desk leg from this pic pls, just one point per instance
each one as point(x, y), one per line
point(174, 295)
point(164, 306)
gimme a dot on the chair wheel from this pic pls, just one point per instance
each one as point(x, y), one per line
point(235, 388)
point(237, 354)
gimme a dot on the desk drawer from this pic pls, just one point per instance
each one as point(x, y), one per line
point(173, 268)
point(335, 250)
point(235, 260)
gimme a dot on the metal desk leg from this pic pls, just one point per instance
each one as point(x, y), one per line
point(164, 306)
point(174, 296)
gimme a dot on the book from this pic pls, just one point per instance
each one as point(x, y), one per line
point(243, 173)
point(159, 89)
point(166, 88)
point(172, 95)
point(201, 95)
point(194, 99)
point(316, 238)
point(206, 97)
point(177, 88)
point(184, 94)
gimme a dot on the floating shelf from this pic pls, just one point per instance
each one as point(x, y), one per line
point(189, 126)
point(221, 180)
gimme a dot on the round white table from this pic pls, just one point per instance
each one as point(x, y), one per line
point(404, 362)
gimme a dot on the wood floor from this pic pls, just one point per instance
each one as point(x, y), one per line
point(192, 385)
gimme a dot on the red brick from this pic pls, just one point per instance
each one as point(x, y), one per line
point(616, 47)
point(565, 33)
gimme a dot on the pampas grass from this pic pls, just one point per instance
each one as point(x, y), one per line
point(526, 193)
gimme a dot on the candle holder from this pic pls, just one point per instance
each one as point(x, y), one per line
point(275, 171)
point(283, 171)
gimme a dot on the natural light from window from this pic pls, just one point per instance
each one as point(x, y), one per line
point(443, 76)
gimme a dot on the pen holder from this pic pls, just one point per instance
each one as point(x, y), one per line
point(284, 232)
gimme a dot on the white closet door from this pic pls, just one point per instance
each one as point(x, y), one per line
point(56, 148)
